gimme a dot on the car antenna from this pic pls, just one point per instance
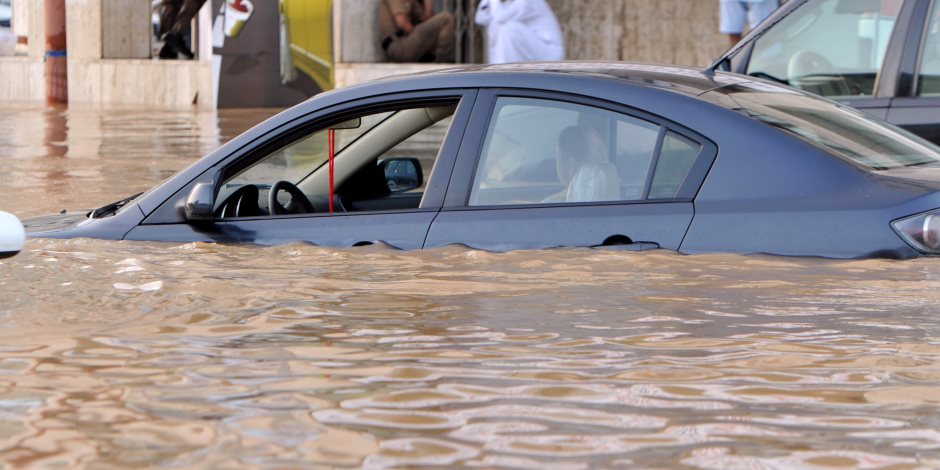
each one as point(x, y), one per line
point(713, 67)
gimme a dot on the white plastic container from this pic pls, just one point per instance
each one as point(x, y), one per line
point(12, 235)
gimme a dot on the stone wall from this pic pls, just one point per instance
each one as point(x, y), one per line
point(24, 78)
point(662, 31)
point(682, 32)
point(358, 33)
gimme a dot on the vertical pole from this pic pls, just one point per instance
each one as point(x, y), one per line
point(331, 151)
point(57, 90)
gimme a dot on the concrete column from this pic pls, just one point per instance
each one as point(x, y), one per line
point(359, 32)
point(85, 28)
point(691, 29)
point(36, 28)
point(125, 29)
point(57, 87)
point(109, 29)
point(204, 31)
point(20, 18)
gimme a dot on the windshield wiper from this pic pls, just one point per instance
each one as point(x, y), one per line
point(768, 76)
point(112, 208)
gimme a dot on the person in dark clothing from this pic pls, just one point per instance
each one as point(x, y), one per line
point(175, 16)
point(411, 32)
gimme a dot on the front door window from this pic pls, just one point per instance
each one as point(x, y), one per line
point(831, 48)
point(380, 163)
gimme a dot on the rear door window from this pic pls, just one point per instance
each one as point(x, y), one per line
point(540, 151)
point(675, 160)
point(832, 47)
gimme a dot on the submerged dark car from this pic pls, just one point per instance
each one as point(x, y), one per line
point(880, 56)
point(550, 155)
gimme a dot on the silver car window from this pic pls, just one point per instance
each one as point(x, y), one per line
point(928, 83)
point(548, 152)
point(828, 47)
point(296, 161)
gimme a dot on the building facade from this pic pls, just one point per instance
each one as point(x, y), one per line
point(112, 50)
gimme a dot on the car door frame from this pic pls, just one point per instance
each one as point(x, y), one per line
point(167, 223)
point(907, 107)
point(471, 155)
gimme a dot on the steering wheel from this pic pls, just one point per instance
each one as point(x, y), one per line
point(241, 203)
point(298, 204)
point(810, 70)
point(805, 63)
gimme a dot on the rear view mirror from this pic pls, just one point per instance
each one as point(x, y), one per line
point(12, 235)
point(402, 174)
point(350, 124)
point(858, 7)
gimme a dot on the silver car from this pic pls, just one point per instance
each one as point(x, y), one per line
point(880, 56)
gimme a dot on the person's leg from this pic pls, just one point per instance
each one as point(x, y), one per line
point(186, 14)
point(168, 11)
point(733, 16)
point(175, 16)
point(422, 40)
point(444, 51)
point(759, 11)
point(408, 48)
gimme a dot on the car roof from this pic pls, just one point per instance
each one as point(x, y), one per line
point(590, 77)
point(687, 80)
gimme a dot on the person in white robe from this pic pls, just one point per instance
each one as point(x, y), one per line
point(520, 31)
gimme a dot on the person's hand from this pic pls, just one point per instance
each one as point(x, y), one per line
point(403, 23)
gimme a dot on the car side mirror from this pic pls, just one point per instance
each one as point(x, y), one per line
point(200, 202)
point(402, 174)
point(12, 235)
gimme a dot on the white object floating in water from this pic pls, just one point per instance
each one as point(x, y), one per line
point(12, 235)
point(148, 287)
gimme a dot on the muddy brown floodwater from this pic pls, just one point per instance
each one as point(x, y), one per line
point(119, 354)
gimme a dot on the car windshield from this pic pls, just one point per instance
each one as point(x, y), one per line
point(828, 47)
point(840, 130)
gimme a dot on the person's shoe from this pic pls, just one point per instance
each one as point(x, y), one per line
point(174, 46)
point(168, 51)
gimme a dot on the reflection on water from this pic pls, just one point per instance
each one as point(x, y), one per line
point(195, 355)
point(55, 158)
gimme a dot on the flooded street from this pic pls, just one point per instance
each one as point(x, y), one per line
point(128, 354)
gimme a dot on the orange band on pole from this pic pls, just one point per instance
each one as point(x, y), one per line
point(330, 137)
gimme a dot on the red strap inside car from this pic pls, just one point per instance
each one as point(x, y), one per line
point(330, 137)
